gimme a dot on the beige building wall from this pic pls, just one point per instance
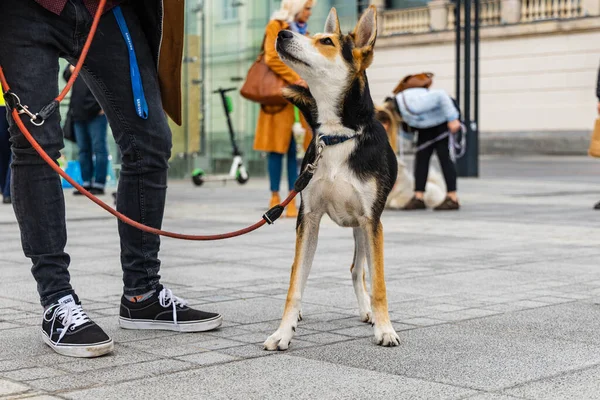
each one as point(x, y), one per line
point(533, 77)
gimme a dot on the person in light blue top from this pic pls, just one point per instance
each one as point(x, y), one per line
point(428, 108)
point(431, 113)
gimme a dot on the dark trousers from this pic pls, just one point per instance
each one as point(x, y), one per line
point(423, 157)
point(32, 40)
point(5, 155)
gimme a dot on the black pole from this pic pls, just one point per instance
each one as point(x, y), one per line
point(464, 164)
point(475, 135)
point(458, 30)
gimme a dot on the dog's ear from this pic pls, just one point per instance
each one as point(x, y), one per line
point(332, 25)
point(365, 34)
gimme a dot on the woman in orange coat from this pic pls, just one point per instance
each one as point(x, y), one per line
point(274, 128)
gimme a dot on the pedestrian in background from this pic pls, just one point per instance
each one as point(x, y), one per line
point(90, 127)
point(274, 128)
point(431, 113)
point(5, 153)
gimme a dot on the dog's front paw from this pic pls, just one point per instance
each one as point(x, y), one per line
point(280, 340)
point(386, 336)
point(366, 316)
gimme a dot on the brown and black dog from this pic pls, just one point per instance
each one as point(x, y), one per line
point(356, 167)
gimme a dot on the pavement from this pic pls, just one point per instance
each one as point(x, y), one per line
point(498, 301)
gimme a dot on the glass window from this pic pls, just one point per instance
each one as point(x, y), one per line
point(230, 10)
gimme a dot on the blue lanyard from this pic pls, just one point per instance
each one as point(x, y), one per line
point(141, 107)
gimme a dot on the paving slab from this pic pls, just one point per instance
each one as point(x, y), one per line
point(479, 354)
point(584, 384)
point(264, 378)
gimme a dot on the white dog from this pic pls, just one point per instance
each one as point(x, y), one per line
point(404, 188)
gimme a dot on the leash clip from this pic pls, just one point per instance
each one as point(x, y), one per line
point(32, 117)
point(313, 166)
point(15, 103)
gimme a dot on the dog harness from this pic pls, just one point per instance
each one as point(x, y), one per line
point(332, 140)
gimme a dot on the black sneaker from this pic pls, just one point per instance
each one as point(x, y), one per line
point(69, 331)
point(78, 193)
point(164, 311)
point(6, 200)
point(97, 191)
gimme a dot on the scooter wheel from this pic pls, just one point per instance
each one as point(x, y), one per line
point(242, 180)
point(198, 179)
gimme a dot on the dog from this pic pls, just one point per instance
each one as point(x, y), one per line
point(404, 189)
point(356, 167)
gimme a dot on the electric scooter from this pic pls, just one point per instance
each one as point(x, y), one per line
point(237, 171)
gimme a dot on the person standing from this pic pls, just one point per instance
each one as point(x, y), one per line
point(90, 127)
point(274, 127)
point(431, 113)
point(5, 154)
point(34, 34)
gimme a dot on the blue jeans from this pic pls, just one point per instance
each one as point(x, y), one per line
point(91, 139)
point(275, 166)
point(32, 40)
point(5, 155)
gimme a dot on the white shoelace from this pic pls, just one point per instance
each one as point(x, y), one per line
point(166, 298)
point(71, 316)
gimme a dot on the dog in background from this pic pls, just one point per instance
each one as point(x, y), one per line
point(404, 188)
point(356, 167)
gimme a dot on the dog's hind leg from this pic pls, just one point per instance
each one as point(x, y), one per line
point(359, 273)
point(385, 335)
point(306, 245)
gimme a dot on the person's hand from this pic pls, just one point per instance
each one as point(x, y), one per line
point(71, 68)
point(302, 83)
point(454, 126)
point(101, 112)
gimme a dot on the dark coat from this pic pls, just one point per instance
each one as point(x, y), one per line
point(83, 105)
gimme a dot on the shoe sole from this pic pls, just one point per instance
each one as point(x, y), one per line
point(202, 326)
point(89, 351)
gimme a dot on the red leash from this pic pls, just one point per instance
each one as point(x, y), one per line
point(17, 108)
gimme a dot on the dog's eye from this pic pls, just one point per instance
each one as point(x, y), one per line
point(327, 42)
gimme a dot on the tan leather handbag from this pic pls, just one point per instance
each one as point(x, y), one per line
point(262, 84)
point(594, 150)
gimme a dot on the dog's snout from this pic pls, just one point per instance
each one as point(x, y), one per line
point(285, 35)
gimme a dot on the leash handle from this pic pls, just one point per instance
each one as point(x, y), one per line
point(139, 99)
